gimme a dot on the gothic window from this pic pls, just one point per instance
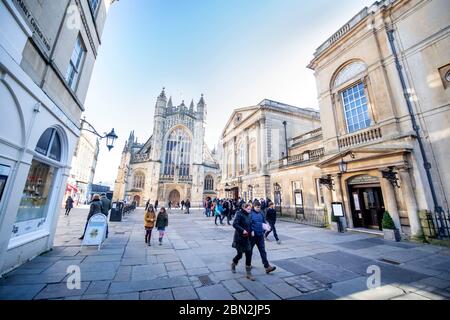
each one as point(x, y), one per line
point(139, 181)
point(241, 157)
point(355, 108)
point(178, 153)
point(209, 183)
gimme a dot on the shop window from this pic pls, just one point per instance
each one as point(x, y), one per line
point(356, 111)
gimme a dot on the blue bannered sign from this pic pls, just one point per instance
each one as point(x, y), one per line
point(96, 231)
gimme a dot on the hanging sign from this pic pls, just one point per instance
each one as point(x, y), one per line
point(96, 231)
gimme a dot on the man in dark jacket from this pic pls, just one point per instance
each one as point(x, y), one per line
point(258, 235)
point(96, 207)
point(187, 204)
point(106, 206)
point(271, 218)
point(241, 241)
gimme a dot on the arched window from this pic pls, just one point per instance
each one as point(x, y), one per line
point(253, 156)
point(209, 183)
point(139, 181)
point(35, 202)
point(241, 157)
point(178, 153)
point(230, 165)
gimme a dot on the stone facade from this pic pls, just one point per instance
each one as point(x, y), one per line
point(47, 54)
point(174, 164)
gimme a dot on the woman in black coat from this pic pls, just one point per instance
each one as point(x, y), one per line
point(242, 224)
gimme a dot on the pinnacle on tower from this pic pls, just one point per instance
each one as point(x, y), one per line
point(182, 104)
point(191, 107)
point(163, 93)
point(170, 104)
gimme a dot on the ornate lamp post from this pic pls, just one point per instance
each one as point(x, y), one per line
point(110, 137)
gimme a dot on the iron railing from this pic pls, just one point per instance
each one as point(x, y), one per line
point(435, 225)
point(308, 216)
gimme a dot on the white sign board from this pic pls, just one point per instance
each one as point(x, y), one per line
point(338, 211)
point(96, 231)
point(298, 199)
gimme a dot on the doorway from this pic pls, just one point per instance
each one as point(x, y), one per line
point(137, 199)
point(367, 206)
point(174, 198)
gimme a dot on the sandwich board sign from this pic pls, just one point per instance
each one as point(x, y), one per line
point(96, 231)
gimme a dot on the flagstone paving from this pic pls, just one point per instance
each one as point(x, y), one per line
point(194, 260)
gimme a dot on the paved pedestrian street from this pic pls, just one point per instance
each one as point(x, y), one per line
point(194, 263)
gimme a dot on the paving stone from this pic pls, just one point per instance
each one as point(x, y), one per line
point(103, 258)
point(184, 293)
point(126, 261)
point(244, 296)
point(349, 287)
point(165, 294)
point(132, 286)
point(405, 255)
point(174, 274)
point(174, 266)
point(306, 284)
point(380, 293)
point(434, 282)
point(333, 275)
point(94, 297)
point(124, 296)
point(197, 271)
point(33, 279)
point(358, 244)
point(411, 296)
point(60, 290)
point(98, 287)
point(123, 274)
point(284, 291)
point(233, 286)
point(291, 266)
point(20, 292)
point(148, 272)
point(258, 290)
point(214, 292)
point(318, 295)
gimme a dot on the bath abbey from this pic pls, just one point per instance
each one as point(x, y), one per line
point(174, 164)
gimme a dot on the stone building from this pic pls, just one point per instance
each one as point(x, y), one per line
point(47, 54)
point(254, 137)
point(383, 83)
point(174, 164)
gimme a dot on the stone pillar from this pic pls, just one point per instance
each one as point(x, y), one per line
point(328, 197)
point(390, 201)
point(410, 202)
point(263, 141)
point(258, 146)
point(234, 170)
point(225, 162)
point(340, 198)
point(247, 153)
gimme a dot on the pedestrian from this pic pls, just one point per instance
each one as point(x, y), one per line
point(258, 234)
point(95, 207)
point(162, 222)
point(241, 241)
point(170, 205)
point(187, 204)
point(182, 204)
point(106, 206)
point(69, 205)
point(149, 223)
point(227, 210)
point(156, 205)
point(147, 204)
point(271, 218)
point(218, 209)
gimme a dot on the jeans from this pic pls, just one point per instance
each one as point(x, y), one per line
point(68, 211)
point(148, 234)
point(272, 228)
point(248, 257)
point(220, 217)
point(258, 239)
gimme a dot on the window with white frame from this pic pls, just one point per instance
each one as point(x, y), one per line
point(74, 69)
point(319, 192)
point(209, 183)
point(94, 5)
point(356, 111)
point(178, 153)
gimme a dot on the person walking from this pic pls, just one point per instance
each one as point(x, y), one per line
point(182, 204)
point(94, 208)
point(258, 235)
point(162, 222)
point(187, 204)
point(149, 224)
point(170, 205)
point(271, 218)
point(147, 204)
point(241, 241)
point(106, 206)
point(69, 205)
point(226, 210)
point(218, 209)
point(156, 205)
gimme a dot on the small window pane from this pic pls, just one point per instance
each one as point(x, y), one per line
point(44, 142)
point(55, 151)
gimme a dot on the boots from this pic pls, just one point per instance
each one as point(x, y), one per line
point(269, 269)
point(249, 275)
point(233, 267)
point(160, 241)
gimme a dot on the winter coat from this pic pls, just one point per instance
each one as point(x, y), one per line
point(242, 221)
point(257, 221)
point(106, 205)
point(69, 203)
point(149, 219)
point(271, 215)
point(162, 220)
point(218, 209)
point(96, 207)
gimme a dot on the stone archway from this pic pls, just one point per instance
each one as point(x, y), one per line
point(174, 197)
point(137, 198)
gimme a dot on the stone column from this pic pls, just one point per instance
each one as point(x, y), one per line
point(263, 141)
point(258, 145)
point(234, 158)
point(225, 162)
point(328, 197)
point(390, 201)
point(340, 198)
point(247, 153)
point(410, 202)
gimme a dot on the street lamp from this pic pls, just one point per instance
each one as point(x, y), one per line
point(110, 137)
point(342, 166)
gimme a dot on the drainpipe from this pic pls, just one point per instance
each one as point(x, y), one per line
point(285, 138)
point(416, 128)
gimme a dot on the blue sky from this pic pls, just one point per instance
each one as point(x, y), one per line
point(236, 52)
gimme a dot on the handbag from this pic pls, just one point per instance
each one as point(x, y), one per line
point(266, 227)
